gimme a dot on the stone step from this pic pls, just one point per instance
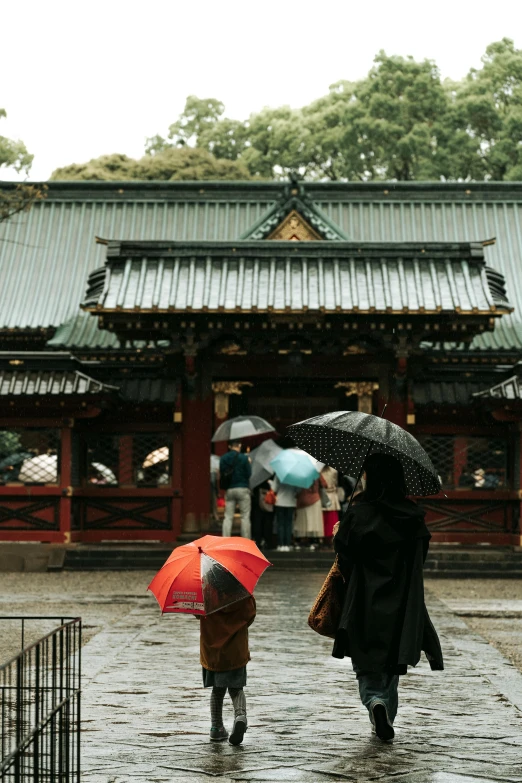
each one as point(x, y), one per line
point(449, 562)
point(500, 563)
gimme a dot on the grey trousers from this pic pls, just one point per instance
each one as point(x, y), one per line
point(241, 497)
point(379, 688)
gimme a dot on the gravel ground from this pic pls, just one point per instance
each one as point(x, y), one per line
point(503, 628)
point(101, 598)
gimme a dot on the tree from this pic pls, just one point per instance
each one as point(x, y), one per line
point(488, 108)
point(189, 163)
point(401, 122)
point(14, 154)
point(114, 167)
point(170, 163)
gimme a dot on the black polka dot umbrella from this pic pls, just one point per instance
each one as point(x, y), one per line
point(344, 440)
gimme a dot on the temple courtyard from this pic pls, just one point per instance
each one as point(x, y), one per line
point(146, 717)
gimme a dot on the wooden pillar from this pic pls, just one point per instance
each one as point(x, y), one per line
point(221, 403)
point(177, 476)
point(460, 458)
point(125, 471)
point(197, 434)
point(65, 483)
point(397, 410)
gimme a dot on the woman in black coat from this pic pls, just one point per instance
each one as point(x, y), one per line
point(381, 544)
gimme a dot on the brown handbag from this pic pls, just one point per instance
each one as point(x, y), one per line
point(325, 614)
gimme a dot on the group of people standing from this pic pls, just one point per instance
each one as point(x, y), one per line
point(307, 516)
point(278, 515)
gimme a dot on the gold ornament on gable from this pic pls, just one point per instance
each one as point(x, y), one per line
point(294, 228)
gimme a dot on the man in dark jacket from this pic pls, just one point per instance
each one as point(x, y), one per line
point(235, 471)
point(381, 544)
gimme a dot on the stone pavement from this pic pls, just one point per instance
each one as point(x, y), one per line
point(146, 715)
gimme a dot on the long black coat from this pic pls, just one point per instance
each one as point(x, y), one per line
point(384, 625)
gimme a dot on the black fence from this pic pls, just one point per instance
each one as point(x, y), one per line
point(40, 703)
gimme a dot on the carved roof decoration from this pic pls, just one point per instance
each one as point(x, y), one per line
point(295, 217)
point(294, 228)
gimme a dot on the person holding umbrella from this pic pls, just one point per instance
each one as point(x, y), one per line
point(214, 578)
point(381, 544)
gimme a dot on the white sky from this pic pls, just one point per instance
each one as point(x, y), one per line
point(81, 79)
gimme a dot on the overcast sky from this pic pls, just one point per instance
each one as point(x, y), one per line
point(81, 79)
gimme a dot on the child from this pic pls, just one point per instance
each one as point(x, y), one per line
point(224, 656)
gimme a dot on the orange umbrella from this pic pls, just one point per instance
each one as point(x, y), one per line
point(208, 574)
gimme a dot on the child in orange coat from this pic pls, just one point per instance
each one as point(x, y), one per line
point(224, 656)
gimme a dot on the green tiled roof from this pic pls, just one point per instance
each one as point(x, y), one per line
point(444, 392)
point(296, 276)
point(47, 254)
point(82, 330)
point(50, 383)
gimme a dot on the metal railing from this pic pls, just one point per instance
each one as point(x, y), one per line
point(40, 692)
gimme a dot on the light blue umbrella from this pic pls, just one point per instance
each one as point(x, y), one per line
point(294, 468)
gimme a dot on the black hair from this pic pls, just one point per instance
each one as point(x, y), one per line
point(232, 443)
point(384, 478)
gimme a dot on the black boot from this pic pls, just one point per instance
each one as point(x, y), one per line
point(383, 729)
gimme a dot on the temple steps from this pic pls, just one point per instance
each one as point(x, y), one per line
point(442, 562)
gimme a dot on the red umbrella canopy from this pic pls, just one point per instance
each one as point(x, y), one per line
point(208, 574)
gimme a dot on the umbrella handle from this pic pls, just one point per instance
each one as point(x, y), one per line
point(359, 476)
point(362, 467)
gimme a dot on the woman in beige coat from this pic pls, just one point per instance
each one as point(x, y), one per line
point(309, 517)
point(330, 512)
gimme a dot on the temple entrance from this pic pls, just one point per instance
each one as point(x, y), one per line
point(284, 402)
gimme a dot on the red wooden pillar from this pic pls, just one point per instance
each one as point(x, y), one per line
point(221, 447)
point(65, 483)
point(460, 458)
point(397, 410)
point(197, 434)
point(125, 471)
point(177, 477)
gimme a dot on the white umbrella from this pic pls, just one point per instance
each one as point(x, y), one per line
point(156, 456)
point(105, 472)
point(243, 428)
point(42, 469)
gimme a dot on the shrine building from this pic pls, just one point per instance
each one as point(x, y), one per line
point(136, 317)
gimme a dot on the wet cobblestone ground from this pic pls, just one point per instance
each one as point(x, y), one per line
point(146, 714)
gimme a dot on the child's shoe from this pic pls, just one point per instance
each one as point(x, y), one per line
point(219, 734)
point(238, 732)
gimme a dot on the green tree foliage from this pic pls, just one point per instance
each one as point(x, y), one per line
point(14, 154)
point(168, 163)
point(401, 122)
point(489, 110)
